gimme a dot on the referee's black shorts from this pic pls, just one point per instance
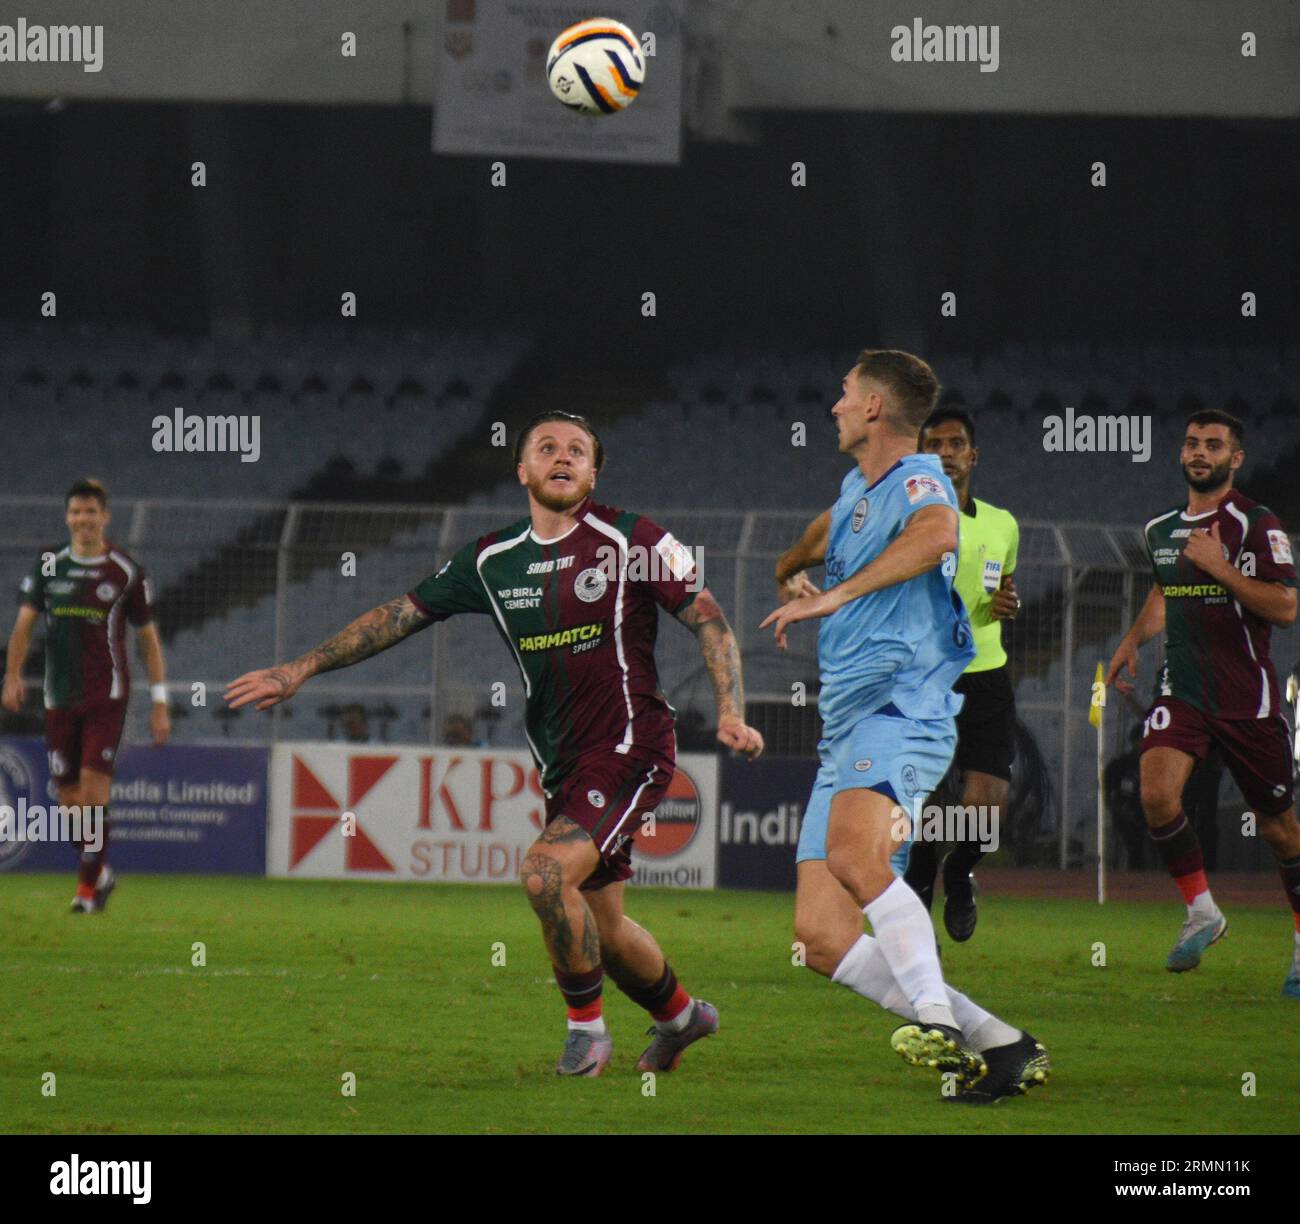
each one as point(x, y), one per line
point(986, 725)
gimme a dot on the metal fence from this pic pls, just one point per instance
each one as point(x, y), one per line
point(239, 585)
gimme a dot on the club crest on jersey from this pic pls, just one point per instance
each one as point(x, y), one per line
point(922, 486)
point(590, 585)
point(860, 513)
point(595, 798)
point(910, 784)
point(106, 591)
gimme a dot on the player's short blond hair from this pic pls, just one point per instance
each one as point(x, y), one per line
point(912, 385)
point(555, 414)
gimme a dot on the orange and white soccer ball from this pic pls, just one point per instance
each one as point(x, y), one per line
point(596, 67)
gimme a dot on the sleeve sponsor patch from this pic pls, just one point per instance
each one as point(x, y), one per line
point(675, 556)
point(1280, 546)
point(922, 486)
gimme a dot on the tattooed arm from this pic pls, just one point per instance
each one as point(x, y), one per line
point(376, 630)
point(704, 618)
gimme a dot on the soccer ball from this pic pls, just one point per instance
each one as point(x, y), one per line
point(596, 67)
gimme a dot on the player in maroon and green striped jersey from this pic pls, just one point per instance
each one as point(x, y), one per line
point(87, 590)
point(574, 589)
point(1224, 575)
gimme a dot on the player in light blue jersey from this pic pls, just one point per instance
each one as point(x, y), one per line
point(894, 637)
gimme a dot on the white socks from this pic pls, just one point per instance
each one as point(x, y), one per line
point(1202, 906)
point(595, 1027)
point(906, 937)
point(679, 1021)
point(865, 971)
point(991, 1034)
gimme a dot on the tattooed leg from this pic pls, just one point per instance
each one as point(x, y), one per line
point(552, 873)
point(633, 960)
point(631, 955)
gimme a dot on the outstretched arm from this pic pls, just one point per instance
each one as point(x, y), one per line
point(929, 536)
point(376, 630)
point(704, 618)
point(807, 551)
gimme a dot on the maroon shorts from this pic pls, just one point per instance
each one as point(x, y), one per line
point(83, 736)
point(1257, 751)
point(607, 794)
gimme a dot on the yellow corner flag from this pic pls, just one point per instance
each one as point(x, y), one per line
point(1098, 697)
point(1094, 716)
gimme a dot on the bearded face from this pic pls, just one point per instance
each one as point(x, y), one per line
point(558, 465)
point(1208, 457)
point(1203, 475)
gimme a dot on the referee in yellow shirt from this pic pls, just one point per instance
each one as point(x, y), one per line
point(989, 539)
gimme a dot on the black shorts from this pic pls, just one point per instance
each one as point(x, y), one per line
point(986, 739)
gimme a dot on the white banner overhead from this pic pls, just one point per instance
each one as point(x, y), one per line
point(491, 96)
point(464, 815)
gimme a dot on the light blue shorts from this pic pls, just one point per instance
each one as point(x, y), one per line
point(903, 758)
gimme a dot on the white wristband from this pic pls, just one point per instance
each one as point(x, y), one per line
point(158, 692)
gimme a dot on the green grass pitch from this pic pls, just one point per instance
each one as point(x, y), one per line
point(307, 981)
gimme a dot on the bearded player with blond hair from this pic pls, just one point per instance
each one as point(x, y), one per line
point(574, 589)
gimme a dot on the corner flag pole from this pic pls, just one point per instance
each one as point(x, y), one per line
point(1095, 715)
point(1293, 697)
